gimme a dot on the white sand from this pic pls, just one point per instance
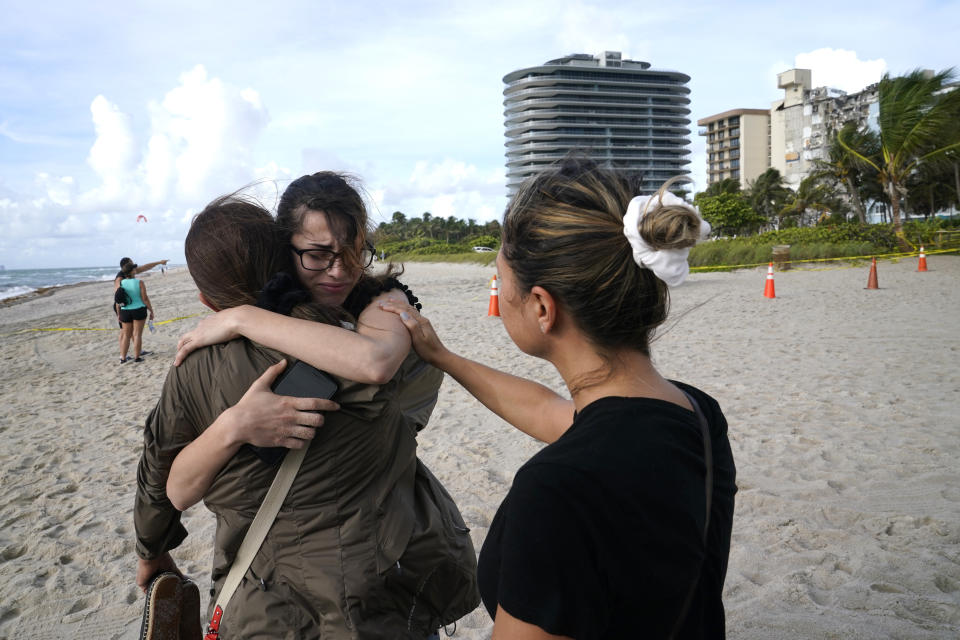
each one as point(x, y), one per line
point(842, 402)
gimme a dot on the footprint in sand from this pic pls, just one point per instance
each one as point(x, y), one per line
point(12, 553)
point(9, 614)
point(946, 585)
point(70, 488)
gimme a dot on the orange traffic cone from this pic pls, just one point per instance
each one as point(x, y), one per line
point(922, 265)
point(769, 291)
point(872, 278)
point(494, 308)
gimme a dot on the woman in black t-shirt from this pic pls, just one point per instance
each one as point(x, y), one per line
point(620, 527)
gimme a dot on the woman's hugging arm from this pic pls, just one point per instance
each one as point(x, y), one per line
point(260, 418)
point(371, 355)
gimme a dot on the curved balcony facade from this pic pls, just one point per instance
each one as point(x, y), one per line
point(620, 113)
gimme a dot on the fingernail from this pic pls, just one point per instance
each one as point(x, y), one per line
point(404, 315)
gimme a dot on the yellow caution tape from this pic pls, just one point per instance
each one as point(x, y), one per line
point(879, 256)
point(48, 329)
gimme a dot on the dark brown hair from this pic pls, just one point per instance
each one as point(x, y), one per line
point(563, 231)
point(234, 248)
point(337, 195)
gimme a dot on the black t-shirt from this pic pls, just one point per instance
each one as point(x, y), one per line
point(601, 534)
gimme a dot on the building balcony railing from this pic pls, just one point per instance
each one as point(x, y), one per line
point(579, 112)
point(586, 128)
point(514, 105)
point(596, 91)
point(599, 142)
point(604, 79)
point(634, 160)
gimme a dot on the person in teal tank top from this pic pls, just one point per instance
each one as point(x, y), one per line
point(133, 314)
point(132, 287)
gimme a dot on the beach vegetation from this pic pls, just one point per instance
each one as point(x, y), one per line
point(844, 171)
point(768, 194)
point(813, 201)
point(427, 237)
point(728, 213)
point(918, 124)
point(727, 185)
point(826, 241)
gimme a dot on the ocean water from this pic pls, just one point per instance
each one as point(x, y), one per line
point(17, 282)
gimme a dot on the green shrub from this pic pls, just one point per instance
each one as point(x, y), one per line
point(845, 240)
point(482, 241)
point(471, 257)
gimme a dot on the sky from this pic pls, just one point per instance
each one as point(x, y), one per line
point(111, 110)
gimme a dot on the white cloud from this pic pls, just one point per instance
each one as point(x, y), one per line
point(447, 188)
point(203, 136)
point(113, 154)
point(451, 175)
point(72, 226)
point(840, 69)
point(465, 205)
point(198, 144)
point(58, 191)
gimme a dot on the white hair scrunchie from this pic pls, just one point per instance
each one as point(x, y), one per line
point(670, 265)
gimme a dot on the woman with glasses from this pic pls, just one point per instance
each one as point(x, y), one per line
point(323, 224)
point(325, 219)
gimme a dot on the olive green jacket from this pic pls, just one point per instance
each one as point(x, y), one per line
point(368, 544)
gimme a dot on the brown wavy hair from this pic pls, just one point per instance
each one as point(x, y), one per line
point(234, 248)
point(336, 195)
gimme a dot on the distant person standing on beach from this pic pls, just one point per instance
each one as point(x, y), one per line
point(137, 269)
point(619, 527)
point(133, 312)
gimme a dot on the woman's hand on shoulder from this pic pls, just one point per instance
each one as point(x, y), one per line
point(425, 340)
point(214, 329)
point(265, 419)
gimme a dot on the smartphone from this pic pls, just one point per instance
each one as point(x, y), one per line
point(304, 381)
point(300, 381)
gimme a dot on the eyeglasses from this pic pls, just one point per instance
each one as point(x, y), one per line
point(323, 259)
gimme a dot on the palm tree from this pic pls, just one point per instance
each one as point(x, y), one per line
point(917, 119)
point(844, 168)
point(727, 185)
point(767, 194)
point(811, 193)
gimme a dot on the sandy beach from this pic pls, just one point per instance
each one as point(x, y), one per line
point(843, 405)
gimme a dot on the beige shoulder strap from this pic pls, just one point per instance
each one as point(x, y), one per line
point(257, 533)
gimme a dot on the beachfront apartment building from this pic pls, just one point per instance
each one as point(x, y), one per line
point(620, 113)
point(790, 137)
point(802, 121)
point(738, 144)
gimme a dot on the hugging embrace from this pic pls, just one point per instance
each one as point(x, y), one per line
point(619, 527)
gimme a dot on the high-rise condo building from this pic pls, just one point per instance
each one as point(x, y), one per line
point(791, 137)
point(738, 144)
point(620, 113)
point(801, 123)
